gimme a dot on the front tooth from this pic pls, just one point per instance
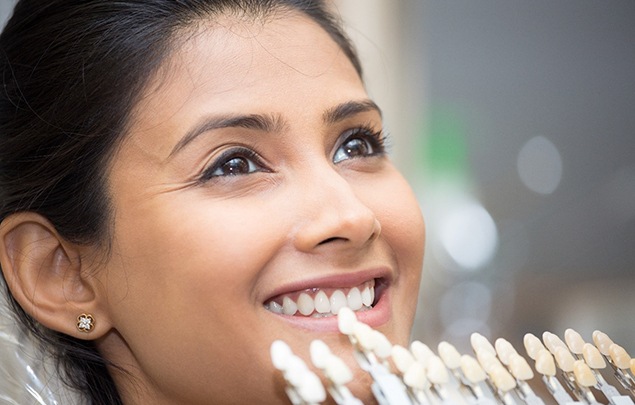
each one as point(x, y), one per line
point(354, 299)
point(306, 304)
point(289, 307)
point(338, 300)
point(322, 304)
point(366, 297)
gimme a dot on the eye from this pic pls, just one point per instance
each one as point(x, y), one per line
point(359, 143)
point(234, 162)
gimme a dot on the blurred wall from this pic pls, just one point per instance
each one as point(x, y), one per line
point(519, 132)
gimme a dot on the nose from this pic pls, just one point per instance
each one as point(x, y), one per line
point(334, 215)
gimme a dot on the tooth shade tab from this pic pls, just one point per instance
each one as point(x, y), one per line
point(519, 367)
point(364, 335)
point(533, 345)
point(311, 389)
point(421, 352)
point(502, 379)
point(480, 342)
point(564, 359)
point(633, 366)
point(337, 371)
point(583, 374)
point(619, 356)
point(450, 356)
point(552, 342)
point(472, 370)
point(545, 364)
point(415, 376)
point(436, 371)
point(319, 353)
point(593, 357)
point(574, 341)
point(487, 360)
point(602, 342)
point(280, 354)
point(346, 321)
point(402, 358)
point(383, 347)
point(505, 350)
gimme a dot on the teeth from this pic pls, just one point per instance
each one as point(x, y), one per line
point(354, 299)
point(306, 305)
point(357, 299)
point(289, 306)
point(338, 301)
point(367, 300)
point(322, 304)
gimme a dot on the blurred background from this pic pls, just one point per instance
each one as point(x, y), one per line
point(515, 124)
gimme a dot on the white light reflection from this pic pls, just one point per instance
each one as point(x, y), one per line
point(468, 234)
point(540, 165)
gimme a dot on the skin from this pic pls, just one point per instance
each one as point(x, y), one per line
point(181, 294)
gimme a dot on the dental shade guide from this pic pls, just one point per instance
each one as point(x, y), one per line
point(387, 388)
point(303, 386)
point(498, 375)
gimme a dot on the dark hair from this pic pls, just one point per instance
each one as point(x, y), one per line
point(72, 71)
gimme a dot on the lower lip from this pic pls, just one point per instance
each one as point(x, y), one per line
point(375, 317)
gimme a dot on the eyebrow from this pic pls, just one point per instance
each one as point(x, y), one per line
point(272, 122)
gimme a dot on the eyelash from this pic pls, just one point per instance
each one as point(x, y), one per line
point(246, 154)
point(377, 141)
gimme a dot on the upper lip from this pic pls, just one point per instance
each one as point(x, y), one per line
point(338, 280)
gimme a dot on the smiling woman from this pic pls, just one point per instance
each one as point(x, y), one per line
point(184, 182)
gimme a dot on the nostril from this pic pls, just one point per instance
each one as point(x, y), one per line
point(333, 239)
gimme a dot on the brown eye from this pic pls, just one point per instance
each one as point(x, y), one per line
point(360, 143)
point(233, 167)
point(234, 162)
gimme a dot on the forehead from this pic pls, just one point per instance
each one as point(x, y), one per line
point(233, 64)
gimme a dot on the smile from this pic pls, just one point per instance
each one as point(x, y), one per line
point(324, 302)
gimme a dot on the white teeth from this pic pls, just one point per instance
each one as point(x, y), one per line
point(306, 305)
point(338, 300)
point(323, 306)
point(367, 300)
point(354, 299)
point(289, 306)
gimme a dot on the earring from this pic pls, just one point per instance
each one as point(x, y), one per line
point(85, 323)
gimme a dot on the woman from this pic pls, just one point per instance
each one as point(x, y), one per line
point(183, 182)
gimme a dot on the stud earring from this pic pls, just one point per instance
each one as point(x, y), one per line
point(85, 323)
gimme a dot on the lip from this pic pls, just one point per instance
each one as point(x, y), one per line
point(375, 317)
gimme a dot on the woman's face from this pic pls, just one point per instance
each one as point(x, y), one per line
point(253, 180)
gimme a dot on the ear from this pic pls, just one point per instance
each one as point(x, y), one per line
point(44, 274)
